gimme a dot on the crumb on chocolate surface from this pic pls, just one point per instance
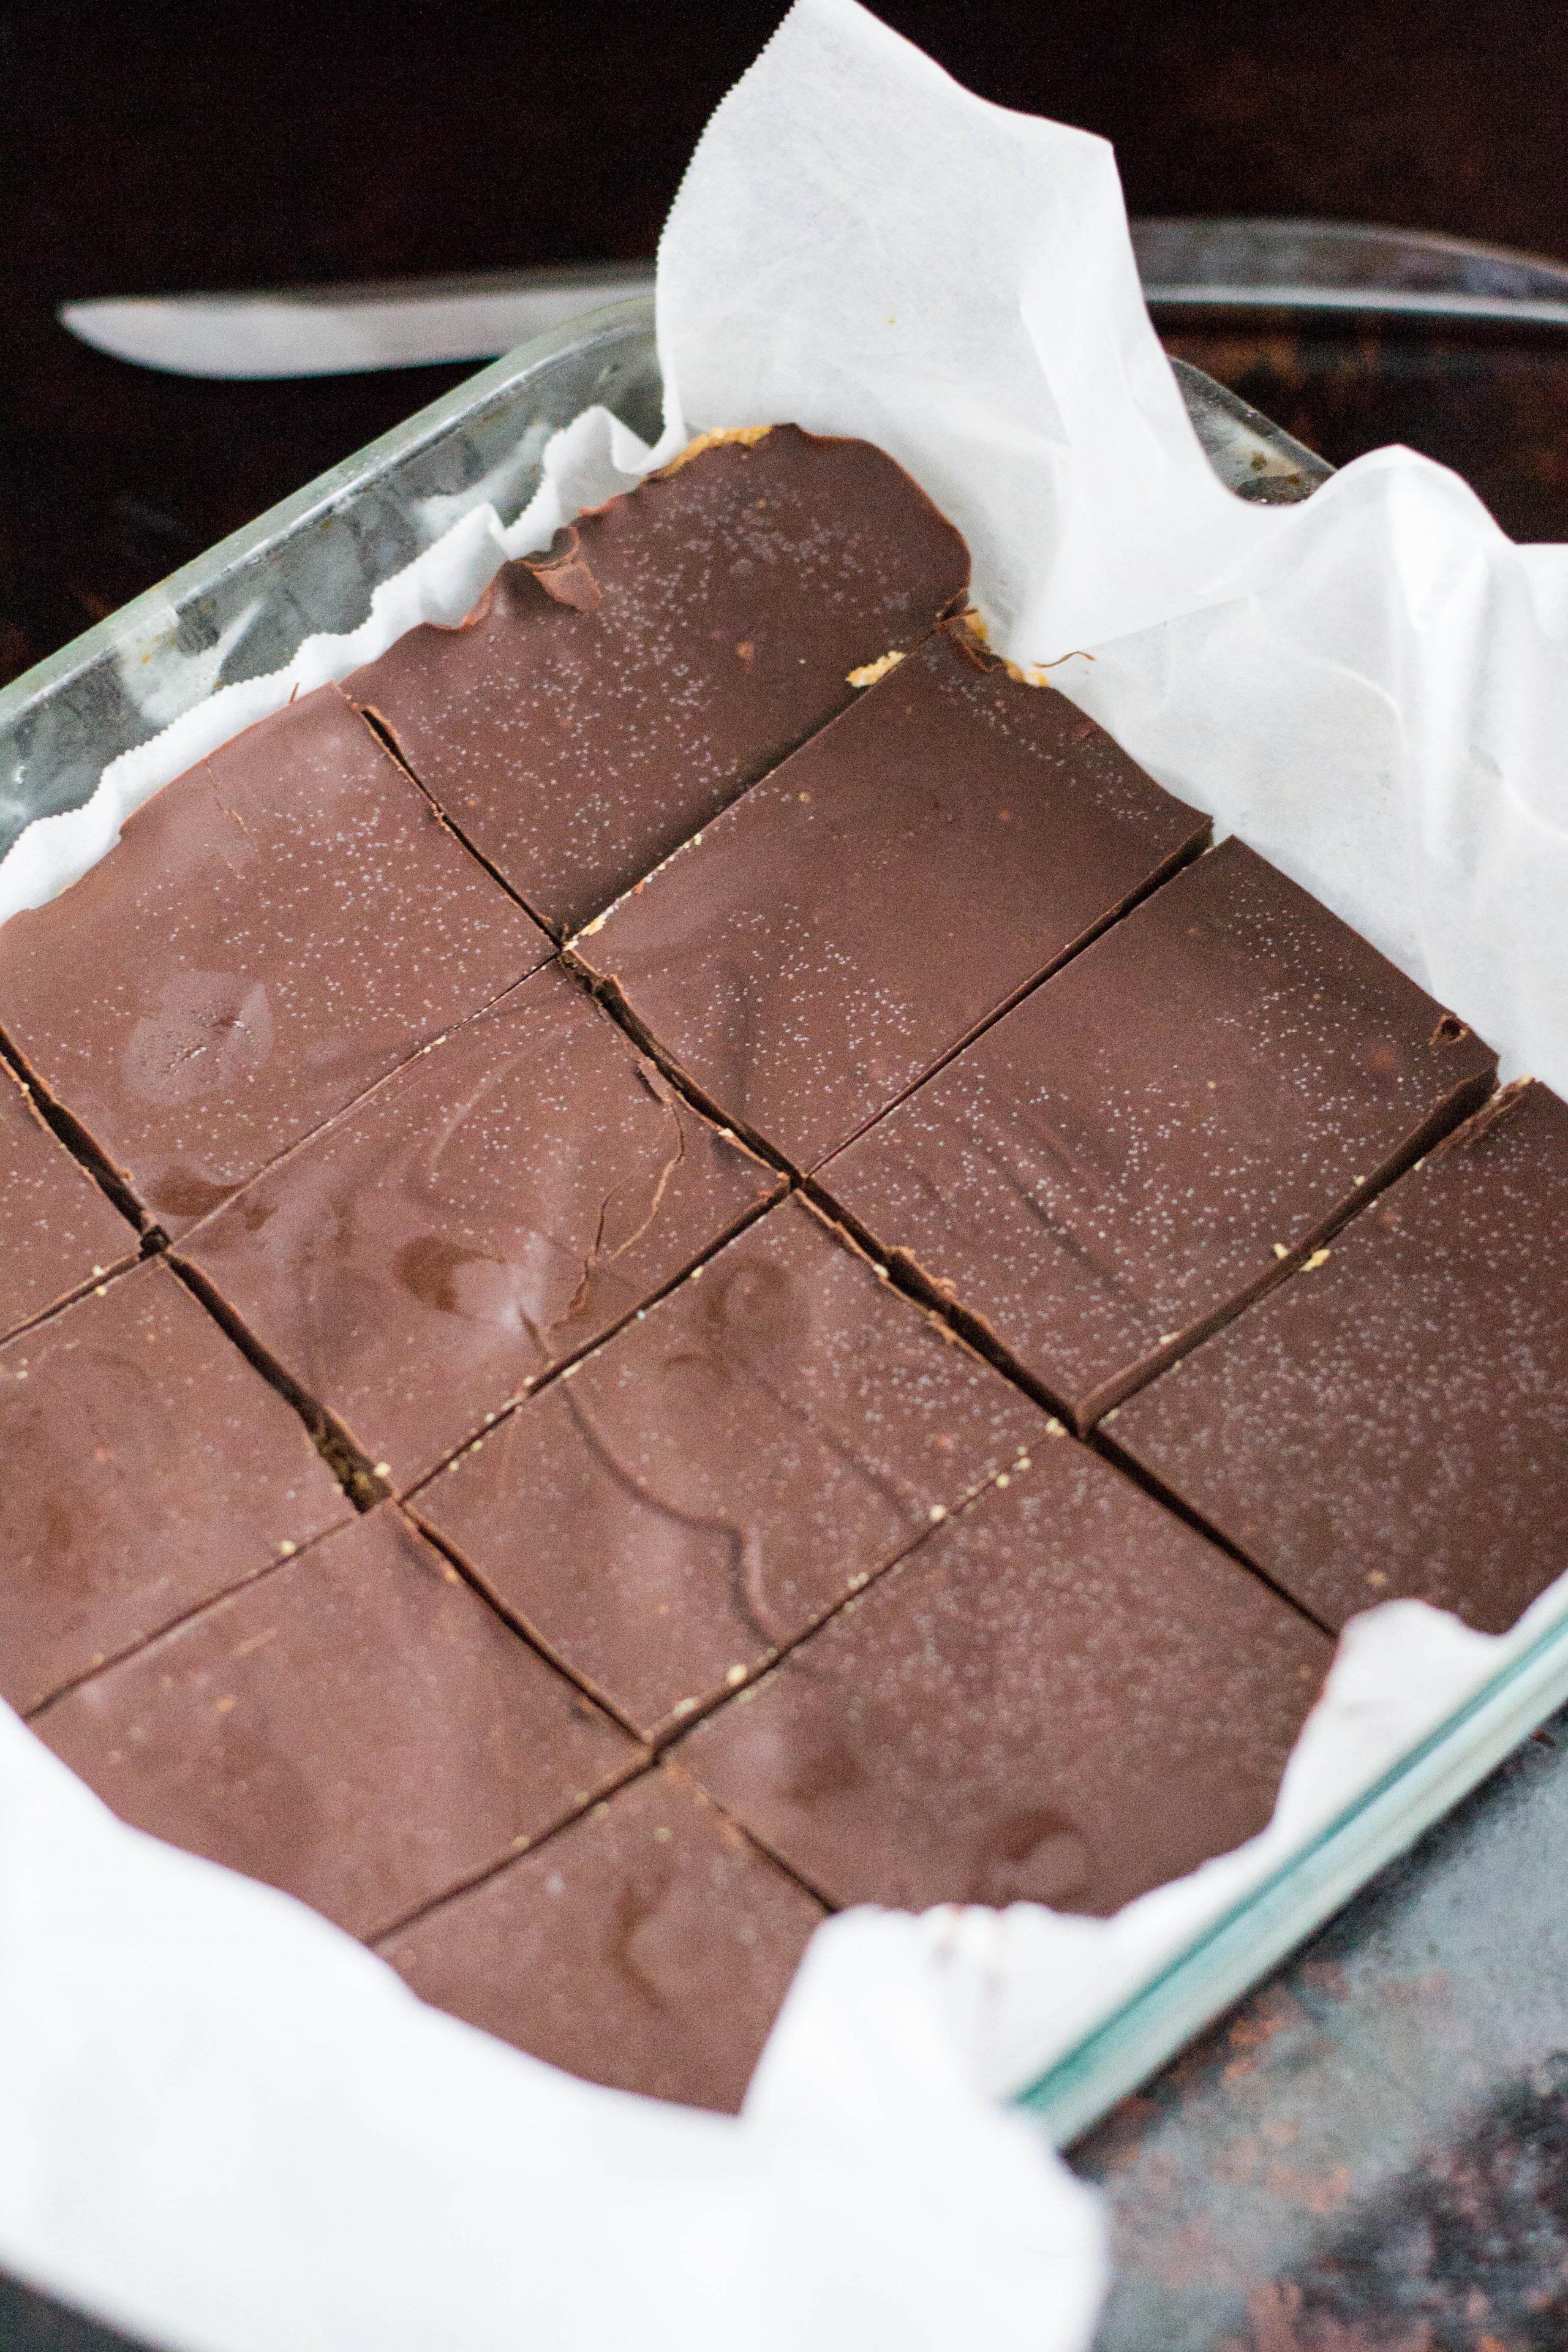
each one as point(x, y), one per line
point(717, 436)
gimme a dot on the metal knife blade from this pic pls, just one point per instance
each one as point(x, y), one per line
point(1305, 265)
point(350, 330)
point(1242, 264)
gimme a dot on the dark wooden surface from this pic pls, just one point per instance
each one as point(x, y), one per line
point(1372, 2153)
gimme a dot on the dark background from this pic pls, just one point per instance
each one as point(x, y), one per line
point(168, 145)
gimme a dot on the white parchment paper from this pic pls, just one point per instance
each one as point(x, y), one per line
point(224, 2124)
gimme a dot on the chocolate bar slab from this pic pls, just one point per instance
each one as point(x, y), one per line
point(491, 1210)
point(604, 700)
point(1064, 1696)
point(1396, 1421)
point(58, 1231)
point(147, 1467)
point(726, 1469)
point(830, 937)
point(277, 928)
point(357, 1728)
point(1193, 1103)
point(648, 1947)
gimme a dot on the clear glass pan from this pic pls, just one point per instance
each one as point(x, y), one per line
point(310, 566)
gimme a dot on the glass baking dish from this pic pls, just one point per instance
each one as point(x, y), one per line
point(311, 565)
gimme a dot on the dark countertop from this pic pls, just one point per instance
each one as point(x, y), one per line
point(1371, 2153)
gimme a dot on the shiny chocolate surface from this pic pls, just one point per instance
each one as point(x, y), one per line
point(277, 928)
point(828, 940)
point(58, 1231)
point(147, 1468)
point(356, 1728)
point(1394, 1422)
point(1064, 1696)
point(493, 1209)
point(726, 1469)
point(1191, 1106)
point(647, 1947)
point(592, 713)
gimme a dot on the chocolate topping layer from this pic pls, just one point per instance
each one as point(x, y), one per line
point(726, 1469)
point(58, 1233)
point(146, 1468)
point(677, 1426)
point(1396, 1421)
point(1065, 1696)
point(494, 1208)
point(1201, 1097)
point(358, 1728)
point(605, 699)
point(277, 928)
point(648, 1947)
point(828, 939)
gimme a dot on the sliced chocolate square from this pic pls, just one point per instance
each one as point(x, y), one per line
point(828, 941)
point(491, 1210)
point(277, 928)
point(606, 699)
point(1394, 1421)
point(358, 1728)
point(147, 1467)
point(701, 1490)
point(58, 1231)
point(1157, 1134)
point(1065, 1697)
point(647, 1947)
